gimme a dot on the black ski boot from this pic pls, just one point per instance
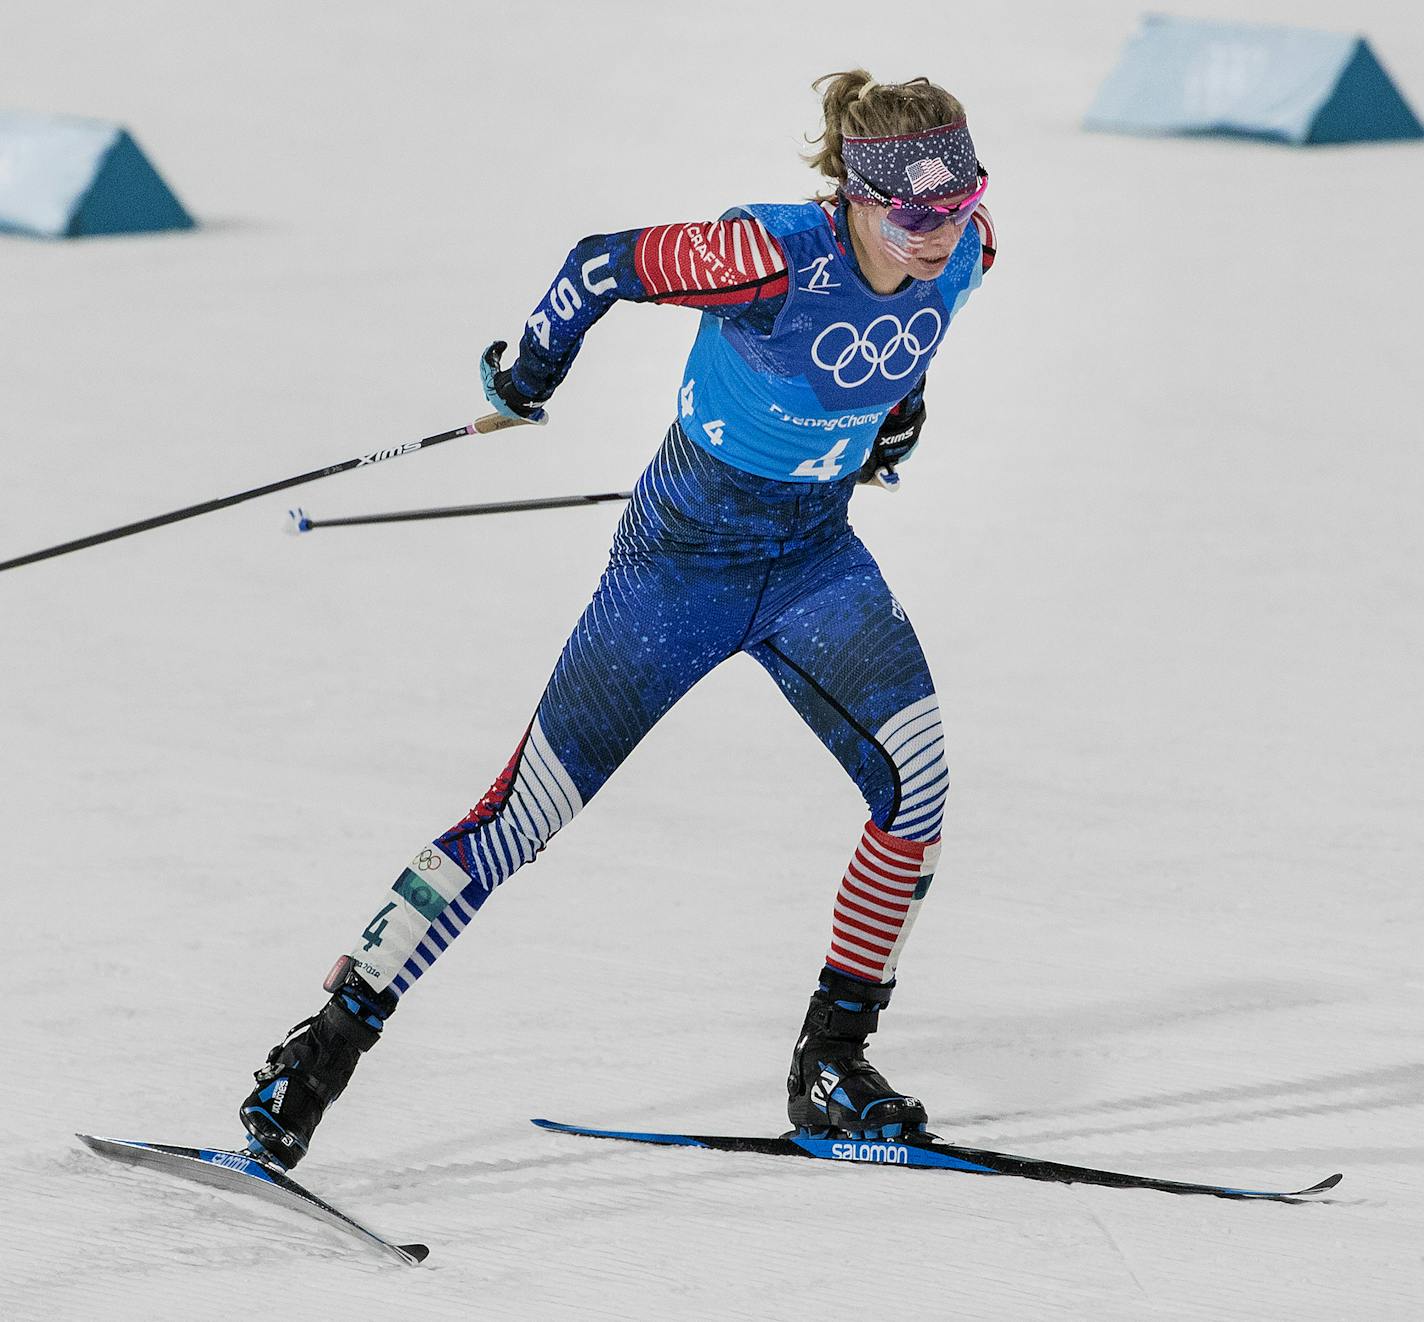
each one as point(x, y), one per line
point(833, 1091)
point(307, 1071)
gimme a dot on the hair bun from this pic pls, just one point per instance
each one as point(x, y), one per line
point(847, 111)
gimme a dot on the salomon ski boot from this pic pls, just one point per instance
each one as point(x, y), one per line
point(833, 1091)
point(307, 1070)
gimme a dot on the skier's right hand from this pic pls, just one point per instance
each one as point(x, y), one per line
point(501, 391)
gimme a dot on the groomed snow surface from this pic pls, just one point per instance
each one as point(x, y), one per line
point(1163, 546)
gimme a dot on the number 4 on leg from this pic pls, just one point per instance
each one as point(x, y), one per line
point(375, 927)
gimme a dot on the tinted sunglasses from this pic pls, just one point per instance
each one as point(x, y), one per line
point(926, 217)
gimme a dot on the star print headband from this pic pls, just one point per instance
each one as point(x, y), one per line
point(912, 172)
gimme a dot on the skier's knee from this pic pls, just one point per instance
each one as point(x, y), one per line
point(912, 742)
point(530, 801)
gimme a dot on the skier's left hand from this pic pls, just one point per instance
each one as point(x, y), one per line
point(501, 391)
point(899, 434)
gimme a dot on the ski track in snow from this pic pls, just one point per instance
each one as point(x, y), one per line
point(1166, 566)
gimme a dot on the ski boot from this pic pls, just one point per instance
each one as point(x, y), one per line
point(307, 1070)
point(833, 1091)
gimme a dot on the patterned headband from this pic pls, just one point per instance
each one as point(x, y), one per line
point(927, 166)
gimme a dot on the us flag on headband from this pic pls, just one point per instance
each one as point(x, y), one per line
point(927, 174)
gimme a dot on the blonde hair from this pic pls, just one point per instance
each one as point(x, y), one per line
point(854, 104)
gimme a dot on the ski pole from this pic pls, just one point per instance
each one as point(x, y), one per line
point(300, 521)
point(491, 423)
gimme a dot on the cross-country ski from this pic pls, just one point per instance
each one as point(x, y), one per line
point(931, 1156)
point(239, 1172)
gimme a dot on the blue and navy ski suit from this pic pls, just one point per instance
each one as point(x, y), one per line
point(736, 540)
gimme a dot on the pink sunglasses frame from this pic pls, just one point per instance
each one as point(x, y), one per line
point(959, 212)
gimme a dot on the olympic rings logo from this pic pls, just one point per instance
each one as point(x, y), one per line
point(885, 346)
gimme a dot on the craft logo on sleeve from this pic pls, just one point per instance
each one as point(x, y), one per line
point(711, 261)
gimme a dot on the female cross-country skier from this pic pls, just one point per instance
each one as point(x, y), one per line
point(819, 320)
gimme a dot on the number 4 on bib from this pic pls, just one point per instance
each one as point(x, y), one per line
point(827, 466)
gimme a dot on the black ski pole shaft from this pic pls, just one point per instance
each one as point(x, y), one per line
point(303, 522)
point(492, 422)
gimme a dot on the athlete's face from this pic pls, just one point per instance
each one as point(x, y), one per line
point(886, 260)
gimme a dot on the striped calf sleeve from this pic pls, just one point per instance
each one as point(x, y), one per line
point(437, 895)
point(876, 905)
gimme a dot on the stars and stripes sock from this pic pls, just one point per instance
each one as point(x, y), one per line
point(876, 905)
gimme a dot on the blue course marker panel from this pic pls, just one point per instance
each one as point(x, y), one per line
point(1182, 76)
point(61, 176)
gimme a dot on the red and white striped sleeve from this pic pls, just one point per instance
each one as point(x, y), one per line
point(988, 244)
point(707, 264)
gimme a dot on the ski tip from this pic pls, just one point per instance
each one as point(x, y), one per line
point(416, 1252)
point(558, 1127)
point(1329, 1182)
point(106, 1146)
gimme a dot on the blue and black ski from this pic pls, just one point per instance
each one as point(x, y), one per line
point(242, 1172)
point(933, 1156)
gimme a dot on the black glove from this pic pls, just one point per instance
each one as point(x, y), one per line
point(501, 391)
point(898, 436)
